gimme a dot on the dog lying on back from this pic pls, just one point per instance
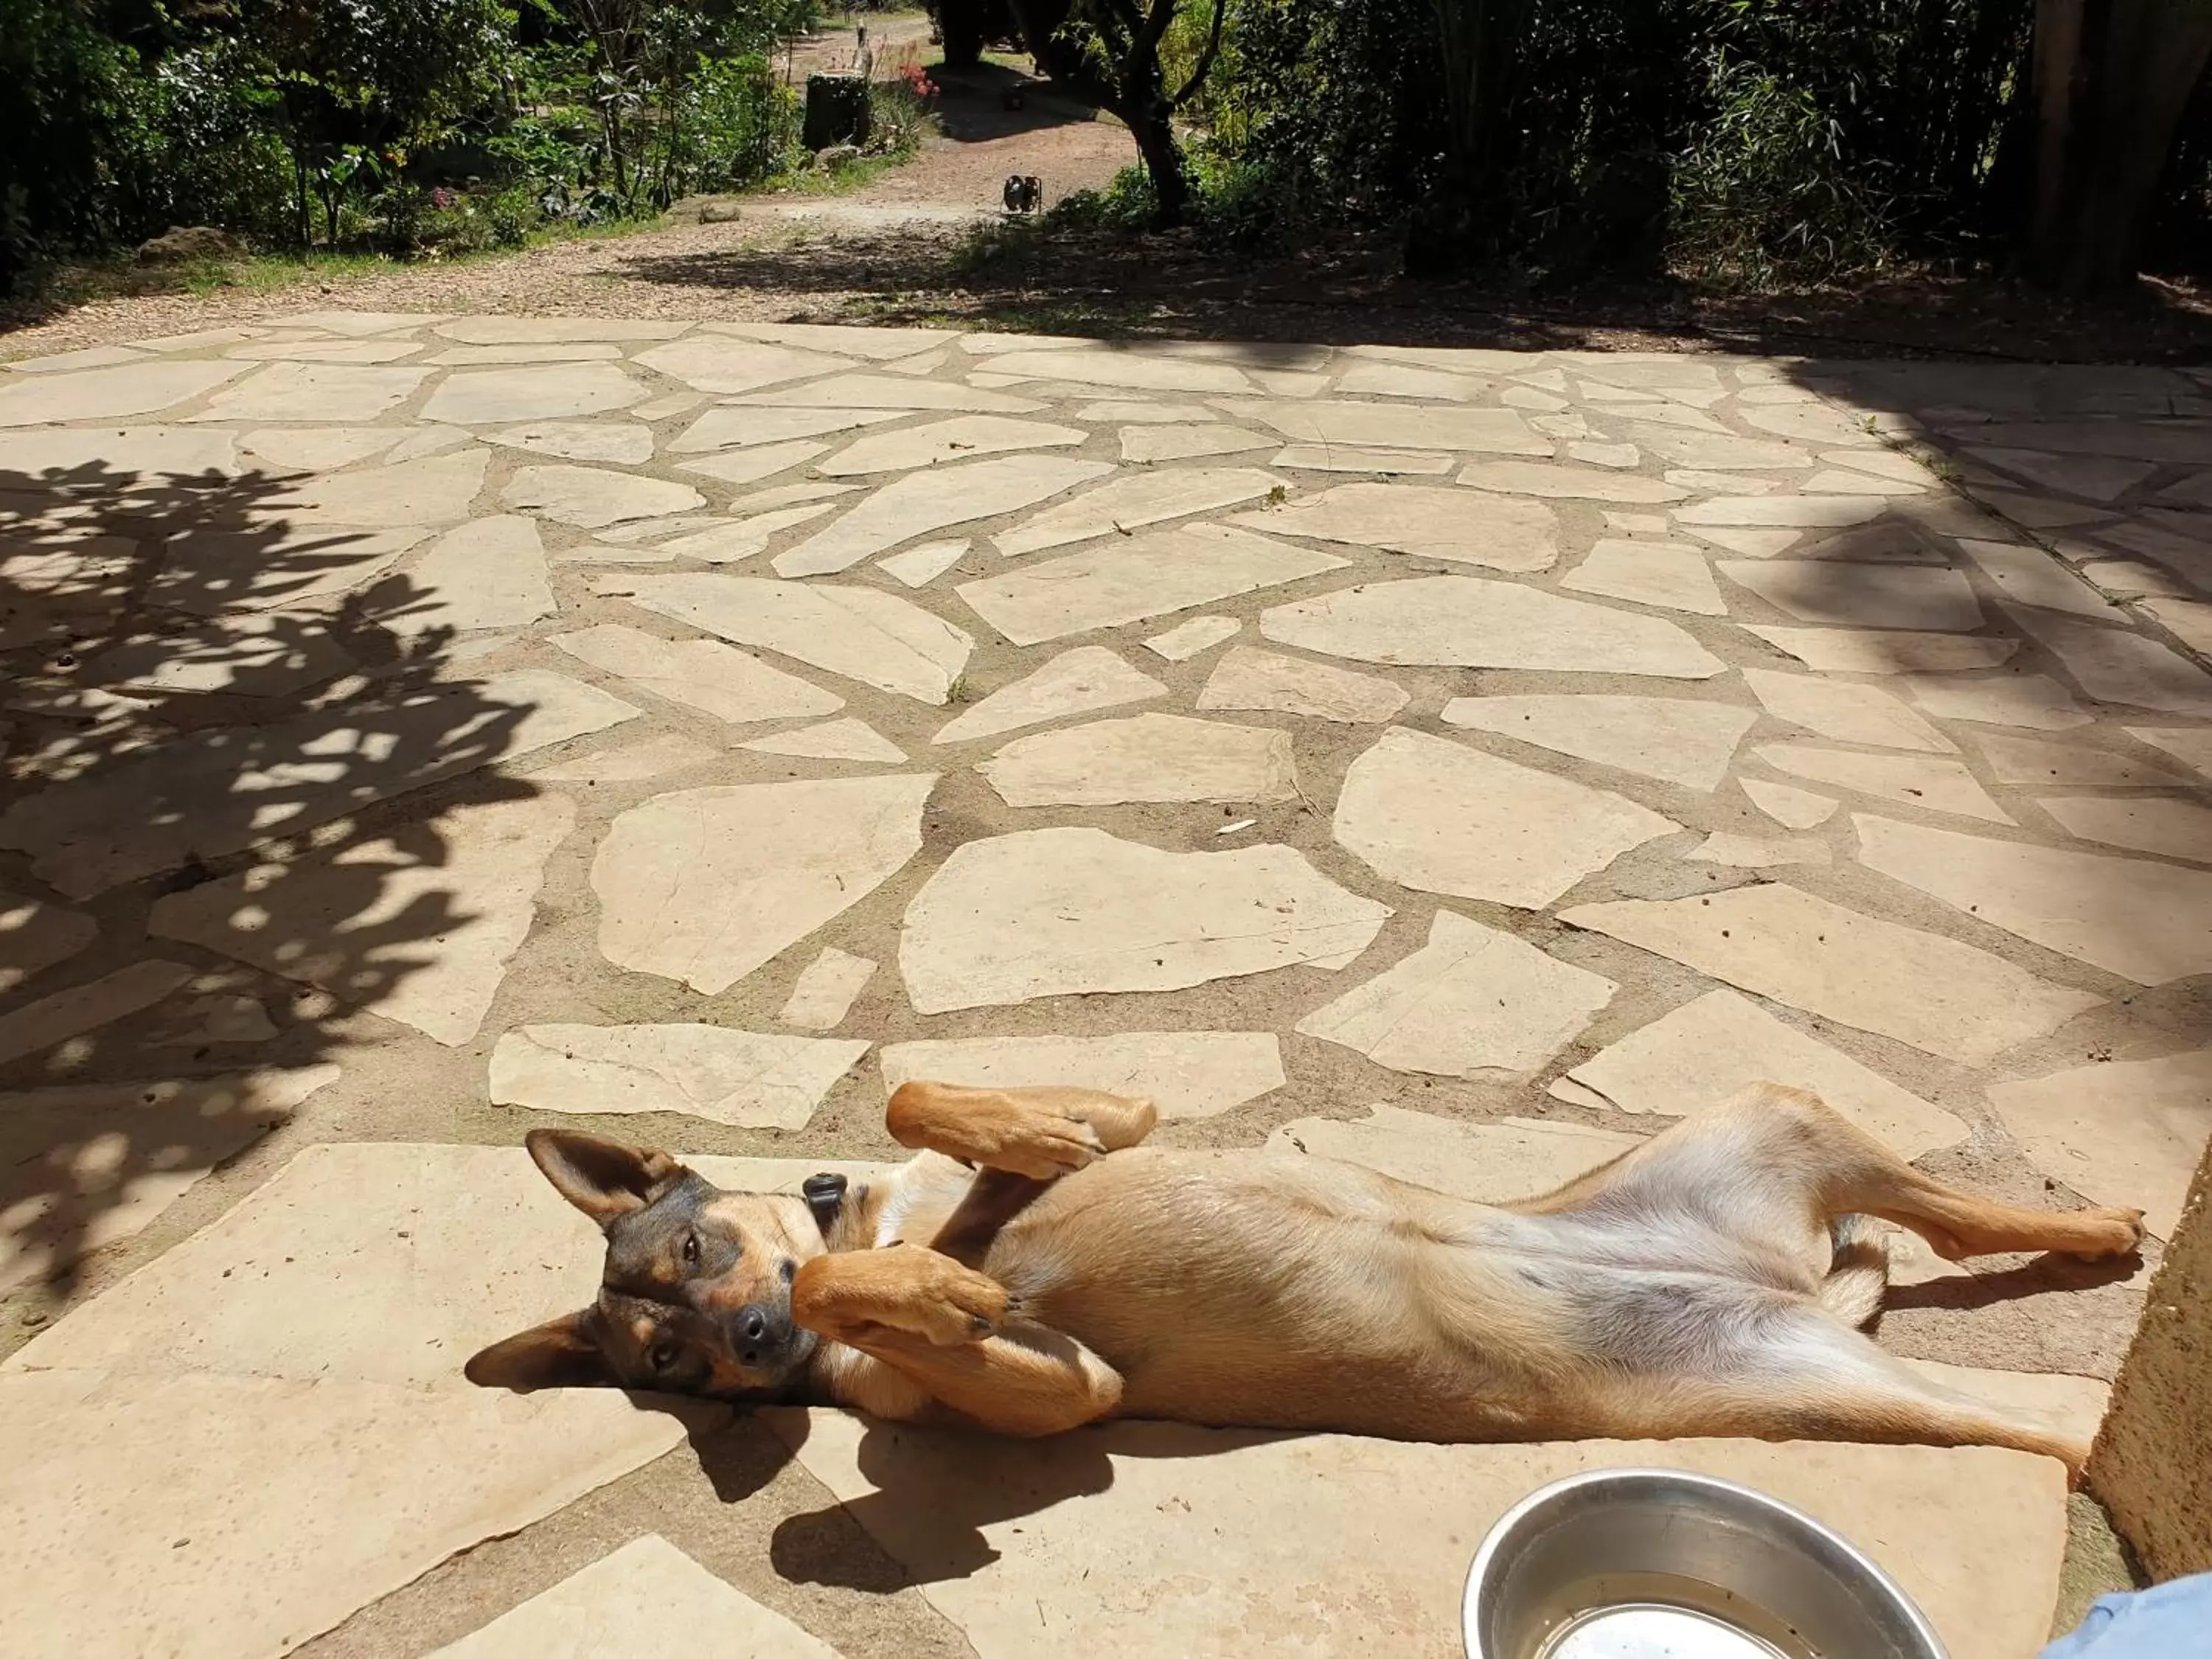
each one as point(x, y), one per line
point(1035, 1268)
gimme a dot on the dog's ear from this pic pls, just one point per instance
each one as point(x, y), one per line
point(562, 1353)
point(604, 1179)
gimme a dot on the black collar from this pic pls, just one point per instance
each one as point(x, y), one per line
point(825, 1198)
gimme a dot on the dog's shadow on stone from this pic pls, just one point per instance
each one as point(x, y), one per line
point(922, 1506)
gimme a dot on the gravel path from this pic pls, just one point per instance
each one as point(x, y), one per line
point(836, 250)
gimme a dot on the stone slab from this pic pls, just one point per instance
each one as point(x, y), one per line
point(1039, 913)
point(1875, 651)
point(359, 922)
point(1557, 481)
point(1134, 500)
point(1502, 533)
point(2128, 1132)
point(1927, 782)
point(1390, 426)
point(89, 1164)
point(1147, 757)
point(627, 1602)
point(1133, 579)
point(826, 989)
point(1466, 621)
point(1673, 739)
point(60, 1015)
point(1860, 596)
point(889, 392)
point(551, 392)
point(1672, 574)
point(488, 573)
point(747, 1079)
point(1975, 1535)
point(1190, 639)
point(1248, 678)
point(1845, 712)
point(90, 394)
point(932, 500)
point(2144, 921)
point(1443, 817)
point(2028, 575)
point(2116, 664)
point(847, 739)
point(1078, 682)
point(703, 674)
point(2012, 698)
point(1798, 809)
point(704, 885)
point(1472, 999)
point(34, 935)
point(1185, 1074)
point(878, 639)
point(917, 567)
point(221, 791)
point(963, 437)
point(2170, 829)
point(591, 497)
point(1691, 1060)
point(1149, 443)
point(1947, 998)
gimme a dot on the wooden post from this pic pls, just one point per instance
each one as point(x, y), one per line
point(2112, 80)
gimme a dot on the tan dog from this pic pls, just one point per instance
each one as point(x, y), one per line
point(1707, 1282)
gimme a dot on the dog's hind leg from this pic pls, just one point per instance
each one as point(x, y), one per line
point(944, 1330)
point(1775, 1167)
point(1790, 1371)
point(1039, 1133)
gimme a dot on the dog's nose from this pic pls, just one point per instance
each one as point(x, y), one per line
point(753, 1328)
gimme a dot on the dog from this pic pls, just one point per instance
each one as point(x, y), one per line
point(1035, 1268)
point(1023, 195)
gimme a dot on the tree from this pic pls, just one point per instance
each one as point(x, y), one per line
point(1108, 52)
point(2112, 80)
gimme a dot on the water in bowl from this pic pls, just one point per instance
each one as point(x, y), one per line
point(1656, 1615)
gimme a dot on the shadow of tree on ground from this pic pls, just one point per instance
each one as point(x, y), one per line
point(213, 699)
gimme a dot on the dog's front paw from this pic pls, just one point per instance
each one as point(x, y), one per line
point(902, 1287)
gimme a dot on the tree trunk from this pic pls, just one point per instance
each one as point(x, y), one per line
point(1163, 157)
point(2113, 78)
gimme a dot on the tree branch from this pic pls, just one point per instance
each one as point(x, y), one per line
point(1147, 45)
point(1205, 59)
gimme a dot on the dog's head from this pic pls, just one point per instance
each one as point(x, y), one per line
point(696, 1295)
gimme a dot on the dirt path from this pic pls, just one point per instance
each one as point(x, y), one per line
point(835, 250)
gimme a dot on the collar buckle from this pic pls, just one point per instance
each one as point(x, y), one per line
point(825, 1199)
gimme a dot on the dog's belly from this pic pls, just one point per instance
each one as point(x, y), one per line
point(1253, 1289)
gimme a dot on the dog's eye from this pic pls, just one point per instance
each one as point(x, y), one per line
point(662, 1355)
point(691, 1249)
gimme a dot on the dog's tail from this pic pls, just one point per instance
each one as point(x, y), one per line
point(1858, 1272)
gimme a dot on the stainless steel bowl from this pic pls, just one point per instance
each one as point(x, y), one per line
point(1659, 1564)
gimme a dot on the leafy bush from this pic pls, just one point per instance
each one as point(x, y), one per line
point(1761, 196)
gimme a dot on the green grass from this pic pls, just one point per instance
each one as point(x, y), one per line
point(63, 286)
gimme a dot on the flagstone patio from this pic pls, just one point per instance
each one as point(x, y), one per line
point(1462, 763)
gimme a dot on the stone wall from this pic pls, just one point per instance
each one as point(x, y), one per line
point(2153, 1462)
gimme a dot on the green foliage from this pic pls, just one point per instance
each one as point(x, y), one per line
point(1760, 140)
point(1762, 196)
point(407, 126)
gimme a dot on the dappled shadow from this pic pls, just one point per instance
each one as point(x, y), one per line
point(990, 101)
point(206, 726)
point(1348, 286)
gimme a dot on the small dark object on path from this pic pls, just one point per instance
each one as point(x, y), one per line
point(1023, 195)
